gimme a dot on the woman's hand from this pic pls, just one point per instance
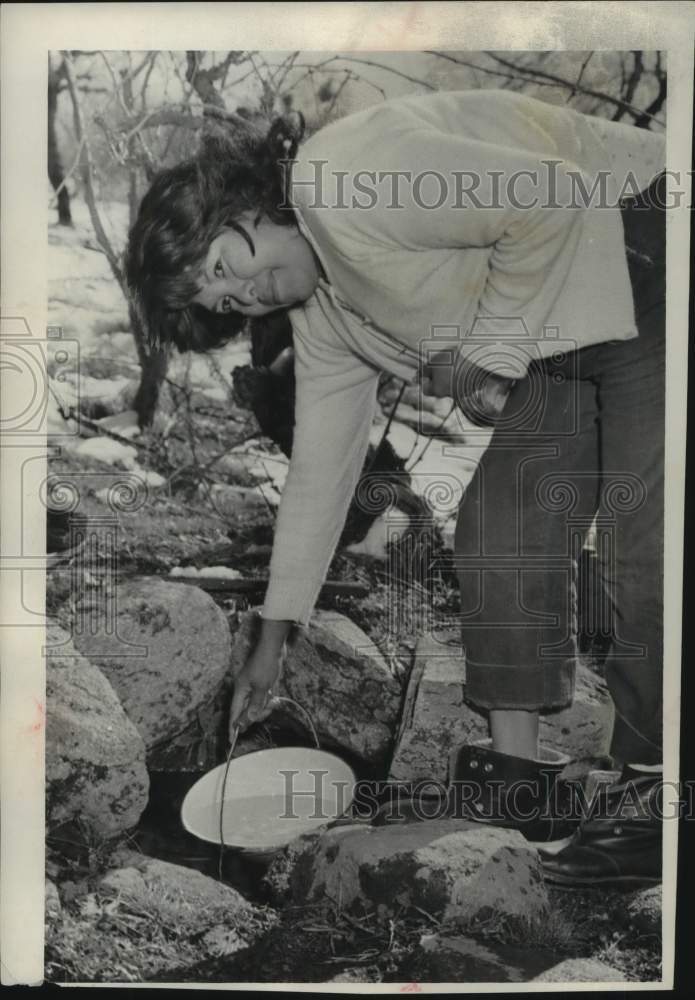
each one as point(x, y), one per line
point(253, 687)
point(480, 394)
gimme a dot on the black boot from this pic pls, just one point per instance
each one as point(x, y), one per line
point(618, 843)
point(514, 792)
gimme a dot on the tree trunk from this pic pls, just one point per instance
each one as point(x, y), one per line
point(56, 174)
point(153, 369)
point(153, 372)
point(153, 364)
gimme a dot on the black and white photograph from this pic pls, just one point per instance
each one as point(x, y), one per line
point(343, 494)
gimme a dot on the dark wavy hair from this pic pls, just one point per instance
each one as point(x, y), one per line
point(236, 170)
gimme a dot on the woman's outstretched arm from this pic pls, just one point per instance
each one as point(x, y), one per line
point(335, 402)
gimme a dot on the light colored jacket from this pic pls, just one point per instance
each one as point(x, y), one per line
point(502, 285)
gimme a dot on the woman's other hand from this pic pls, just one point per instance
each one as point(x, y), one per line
point(480, 394)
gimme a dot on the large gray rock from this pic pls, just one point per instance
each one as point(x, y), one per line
point(581, 970)
point(144, 878)
point(346, 687)
point(186, 899)
point(186, 643)
point(437, 717)
point(452, 869)
point(95, 757)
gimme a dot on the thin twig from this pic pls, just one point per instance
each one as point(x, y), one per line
point(542, 78)
point(585, 63)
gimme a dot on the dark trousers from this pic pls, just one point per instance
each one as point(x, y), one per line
point(582, 439)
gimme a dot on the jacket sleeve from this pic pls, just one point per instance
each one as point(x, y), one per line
point(521, 205)
point(334, 409)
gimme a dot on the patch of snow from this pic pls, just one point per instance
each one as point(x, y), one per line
point(125, 424)
point(216, 393)
point(376, 540)
point(220, 573)
point(270, 494)
point(62, 389)
point(448, 530)
point(210, 572)
point(56, 424)
point(152, 479)
point(101, 388)
point(272, 468)
point(401, 438)
point(109, 451)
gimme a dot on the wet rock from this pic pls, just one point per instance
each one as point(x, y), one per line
point(453, 869)
point(581, 970)
point(644, 910)
point(449, 958)
point(95, 757)
point(167, 660)
point(584, 728)
point(345, 685)
point(436, 716)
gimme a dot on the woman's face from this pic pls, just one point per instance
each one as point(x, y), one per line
point(254, 270)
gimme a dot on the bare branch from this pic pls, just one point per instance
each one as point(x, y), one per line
point(629, 83)
point(470, 65)
point(146, 81)
point(289, 65)
point(658, 101)
point(312, 68)
point(388, 69)
point(542, 78)
point(585, 63)
point(203, 80)
point(117, 86)
point(562, 82)
point(178, 115)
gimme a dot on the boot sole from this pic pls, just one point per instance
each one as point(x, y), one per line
point(620, 881)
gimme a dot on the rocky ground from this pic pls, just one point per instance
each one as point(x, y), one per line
point(141, 664)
